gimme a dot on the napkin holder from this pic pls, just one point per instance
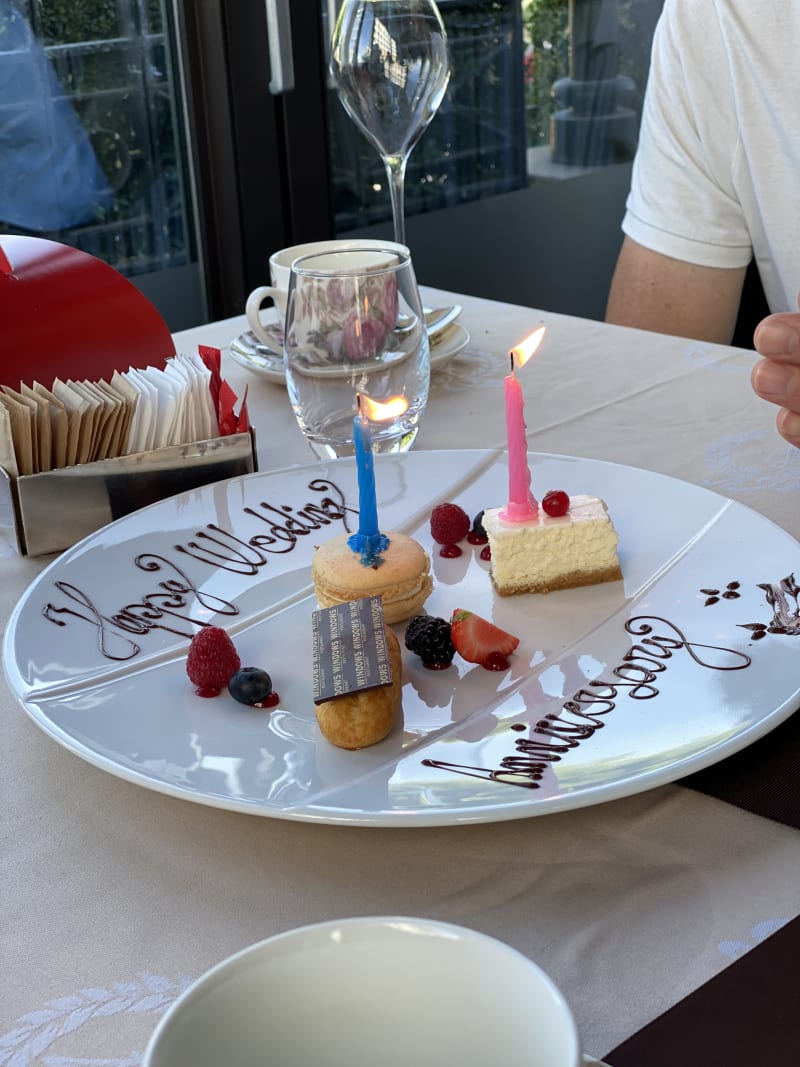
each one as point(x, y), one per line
point(48, 512)
point(67, 314)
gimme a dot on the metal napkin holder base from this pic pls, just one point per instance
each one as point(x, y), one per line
point(51, 511)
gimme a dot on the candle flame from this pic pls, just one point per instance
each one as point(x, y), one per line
point(527, 348)
point(378, 410)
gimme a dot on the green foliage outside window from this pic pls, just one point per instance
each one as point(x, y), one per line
point(546, 60)
point(67, 22)
point(546, 29)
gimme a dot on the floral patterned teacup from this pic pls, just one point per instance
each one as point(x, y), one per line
point(280, 268)
point(348, 316)
point(345, 304)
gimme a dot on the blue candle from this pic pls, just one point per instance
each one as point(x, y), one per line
point(369, 542)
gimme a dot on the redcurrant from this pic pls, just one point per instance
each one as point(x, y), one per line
point(555, 503)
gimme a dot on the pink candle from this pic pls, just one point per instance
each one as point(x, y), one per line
point(521, 506)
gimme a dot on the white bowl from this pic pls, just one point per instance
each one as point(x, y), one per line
point(385, 991)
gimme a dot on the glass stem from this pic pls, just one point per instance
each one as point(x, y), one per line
point(396, 173)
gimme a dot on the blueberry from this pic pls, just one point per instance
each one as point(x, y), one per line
point(250, 685)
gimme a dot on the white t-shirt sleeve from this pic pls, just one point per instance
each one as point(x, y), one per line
point(682, 201)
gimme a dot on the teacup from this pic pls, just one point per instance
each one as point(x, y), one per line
point(390, 990)
point(280, 268)
point(347, 300)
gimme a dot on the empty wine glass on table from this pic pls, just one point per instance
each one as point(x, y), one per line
point(356, 346)
point(390, 65)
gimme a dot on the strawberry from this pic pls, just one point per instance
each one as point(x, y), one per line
point(449, 523)
point(212, 660)
point(479, 641)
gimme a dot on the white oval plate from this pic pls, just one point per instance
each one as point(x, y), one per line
point(247, 350)
point(95, 650)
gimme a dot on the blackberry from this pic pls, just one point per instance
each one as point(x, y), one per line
point(477, 533)
point(429, 638)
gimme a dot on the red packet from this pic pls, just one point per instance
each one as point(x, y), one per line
point(243, 422)
point(212, 357)
point(222, 395)
point(225, 412)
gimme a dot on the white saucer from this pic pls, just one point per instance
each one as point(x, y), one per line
point(251, 353)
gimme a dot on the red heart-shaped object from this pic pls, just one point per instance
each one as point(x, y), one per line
point(66, 314)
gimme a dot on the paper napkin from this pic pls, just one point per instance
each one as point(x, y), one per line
point(138, 410)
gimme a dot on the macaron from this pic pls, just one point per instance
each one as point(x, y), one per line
point(403, 580)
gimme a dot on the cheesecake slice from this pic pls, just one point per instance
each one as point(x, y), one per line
point(546, 553)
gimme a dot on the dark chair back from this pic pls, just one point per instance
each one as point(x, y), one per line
point(753, 308)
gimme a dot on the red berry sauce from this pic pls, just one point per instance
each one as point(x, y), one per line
point(496, 662)
point(486, 553)
point(450, 551)
point(271, 701)
point(435, 666)
point(476, 539)
point(208, 691)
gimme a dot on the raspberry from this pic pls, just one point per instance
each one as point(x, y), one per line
point(555, 503)
point(449, 523)
point(429, 638)
point(212, 660)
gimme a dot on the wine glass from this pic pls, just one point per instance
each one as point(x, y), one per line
point(355, 338)
point(390, 65)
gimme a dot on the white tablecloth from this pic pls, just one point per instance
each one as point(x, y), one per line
point(114, 897)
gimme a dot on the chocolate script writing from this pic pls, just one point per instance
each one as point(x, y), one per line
point(171, 605)
point(583, 714)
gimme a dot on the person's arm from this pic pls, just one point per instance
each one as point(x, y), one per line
point(654, 292)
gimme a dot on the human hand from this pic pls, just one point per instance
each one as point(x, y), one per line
point(776, 377)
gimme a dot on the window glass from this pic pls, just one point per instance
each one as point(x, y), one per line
point(91, 152)
point(538, 89)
